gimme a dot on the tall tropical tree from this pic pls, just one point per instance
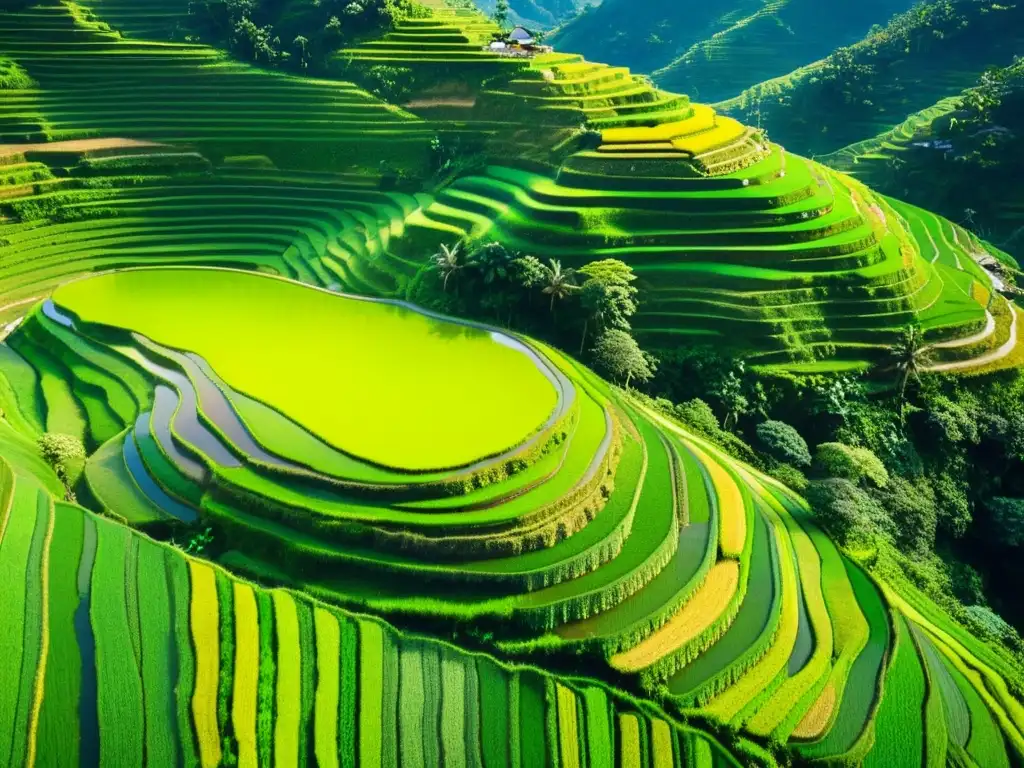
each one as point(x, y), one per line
point(909, 357)
point(560, 282)
point(448, 261)
point(594, 300)
point(494, 262)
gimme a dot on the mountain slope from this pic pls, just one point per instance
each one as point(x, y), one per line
point(713, 50)
point(920, 57)
point(962, 157)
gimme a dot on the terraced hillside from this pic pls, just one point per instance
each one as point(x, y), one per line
point(887, 85)
point(593, 525)
point(92, 82)
point(714, 50)
point(171, 274)
point(809, 271)
point(132, 652)
point(733, 236)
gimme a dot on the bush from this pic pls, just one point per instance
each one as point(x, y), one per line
point(911, 508)
point(986, 622)
point(697, 414)
point(847, 511)
point(790, 476)
point(1008, 520)
point(783, 443)
point(851, 463)
point(58, 450)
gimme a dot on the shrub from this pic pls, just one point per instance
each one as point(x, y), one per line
point(1008, 520)
point(911, 507)
point(989, 624)
point(966, 583)
point(784, 443)
point(851, 463)
point(790, 476)
point(57, 450)
point(697, 414)
point(847, 511)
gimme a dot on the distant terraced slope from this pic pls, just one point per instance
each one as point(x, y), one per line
point(880, 84)
point(92, 82)
point(715, 49)
point(611, 532)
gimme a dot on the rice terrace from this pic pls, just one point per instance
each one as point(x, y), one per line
point(380, 386)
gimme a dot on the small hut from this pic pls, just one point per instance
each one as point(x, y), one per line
point(522, 36)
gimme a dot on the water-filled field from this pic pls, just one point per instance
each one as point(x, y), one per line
point(371, 378)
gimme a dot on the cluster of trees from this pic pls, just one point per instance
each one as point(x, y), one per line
point(290, 34)
point(585, 310)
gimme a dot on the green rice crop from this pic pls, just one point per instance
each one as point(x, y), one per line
point(954, 707)
point(629, 741)
point(861, 688)
point(22, 379)
point(532, 735)
point(245, 696)
point(985, 746)
point(186, 666)
point(158, 675)
point(473, 735)
point(138, 300)
point(63, 413)
point(307, 647)
point(410, 706)
point(371, 686)
point(568, 728)
point(265, 698)
point(758, 613)
point(597, 715)
point(433, 695)
point(390, 682)
point(496, 719)
point(662, 750)
point(58, 736)
point(349, 716)
point(454, 714)
point(112, 484)
point(27, 601)
point(289, 681)
point(225, 687)
point(328, 659)
point(119, 685)
point(899, 738)
point(936, 734)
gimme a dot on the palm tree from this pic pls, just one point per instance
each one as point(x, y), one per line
point(909, 357)
point(447, 261)
point(559, 281)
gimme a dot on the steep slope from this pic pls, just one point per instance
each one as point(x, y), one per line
point(962, 157)
point(713, 50)
point(921, 57)
point(538, 14)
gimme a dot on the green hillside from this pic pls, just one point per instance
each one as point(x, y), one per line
point(235, 440)
point(879, 84)
point(714, 50)
point(960, 157)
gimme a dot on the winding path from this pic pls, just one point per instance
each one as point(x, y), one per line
point(990, 357)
